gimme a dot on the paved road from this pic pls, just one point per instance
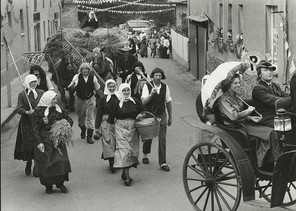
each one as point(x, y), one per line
point(91, 185)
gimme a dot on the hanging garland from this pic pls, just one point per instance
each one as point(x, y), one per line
point(149, 5)
point(121, 12)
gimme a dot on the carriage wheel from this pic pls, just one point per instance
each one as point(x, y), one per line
point(264, 187)
point(211, 178)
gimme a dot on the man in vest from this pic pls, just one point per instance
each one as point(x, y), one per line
point(85, 85)
point(157, 100)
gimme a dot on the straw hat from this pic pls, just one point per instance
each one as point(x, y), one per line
point(126, 48)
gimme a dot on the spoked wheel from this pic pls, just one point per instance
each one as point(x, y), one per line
point(265, 187)
point(211, 178)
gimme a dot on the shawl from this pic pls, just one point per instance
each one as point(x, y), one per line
point(123, 98)
point(30, 78)
point(46, 102)
point(106, 90)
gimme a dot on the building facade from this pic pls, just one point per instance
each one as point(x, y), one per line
point(33, 21)
point(225, 30)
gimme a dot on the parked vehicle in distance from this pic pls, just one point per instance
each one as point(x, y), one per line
point(139, 25)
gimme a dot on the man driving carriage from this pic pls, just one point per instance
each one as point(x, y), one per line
point(266, 94)
point(126, 63)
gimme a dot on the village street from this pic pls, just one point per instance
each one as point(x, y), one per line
point(91, 185)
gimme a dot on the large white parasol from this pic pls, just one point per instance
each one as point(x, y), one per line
point(211, 89)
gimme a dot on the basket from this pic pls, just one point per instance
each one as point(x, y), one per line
point(148, 128)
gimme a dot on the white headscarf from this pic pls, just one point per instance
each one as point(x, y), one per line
point(106, 90)
point(121, 97)
point(30, 78)
point(90, 17)
point(46, 102)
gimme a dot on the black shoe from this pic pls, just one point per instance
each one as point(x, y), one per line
point(28, 167)
point(35, 172)
point(83, 130)
point(111, 164)
point(49, 189)
point(89, 140)
point(128, 182)
point(165, 168)
point(145, 160)
point(89, 136)
point(63, 188)
point(123, 177)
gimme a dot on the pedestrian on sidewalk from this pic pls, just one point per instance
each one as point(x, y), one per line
point(24, 146)
point(85, 85)
point(105, 105)
point(157, 100)
point(53, 164)
point(43, 81)
point(126, 111)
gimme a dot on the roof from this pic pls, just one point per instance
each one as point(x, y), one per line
point(197, 18)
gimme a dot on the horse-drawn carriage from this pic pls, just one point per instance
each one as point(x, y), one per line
point(223, 165)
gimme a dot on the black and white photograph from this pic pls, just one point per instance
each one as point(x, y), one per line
point(140, 105)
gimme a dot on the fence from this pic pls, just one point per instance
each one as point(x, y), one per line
point(179, 48)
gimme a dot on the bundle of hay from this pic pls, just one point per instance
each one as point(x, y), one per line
point(112, 39)
point(61, 134)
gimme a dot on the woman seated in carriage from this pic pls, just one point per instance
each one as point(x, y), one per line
point(233, 113)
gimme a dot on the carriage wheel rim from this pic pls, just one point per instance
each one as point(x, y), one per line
point(212, 181)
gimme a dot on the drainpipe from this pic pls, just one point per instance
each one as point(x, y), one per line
point(28, 27)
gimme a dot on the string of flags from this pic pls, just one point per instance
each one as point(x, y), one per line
point(81, 5)
point(149, 5)
point(85, 10)
point(68, 13)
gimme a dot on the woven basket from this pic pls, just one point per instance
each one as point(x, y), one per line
point(148, 128)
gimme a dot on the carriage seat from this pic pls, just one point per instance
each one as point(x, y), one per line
point(237, 131)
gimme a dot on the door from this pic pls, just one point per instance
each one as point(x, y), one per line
point(37, 37)
point(192, 48)
point(201, 51)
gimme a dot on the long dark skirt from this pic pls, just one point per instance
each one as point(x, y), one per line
point(53, 166)
point(24, 146)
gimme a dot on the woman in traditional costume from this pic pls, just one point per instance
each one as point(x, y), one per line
point(53, 161)
point(24, 147)
point(125, 111)
point(105, 105)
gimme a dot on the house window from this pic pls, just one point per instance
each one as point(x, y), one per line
point(271, 30)
point(44, 31)
point(229, 18)
point(240, 19)
point(50, 3)
point(22, 21)
point(9, 19)
point(220, 15)
point(35, 5)
point(48, 28)
point(43, 3)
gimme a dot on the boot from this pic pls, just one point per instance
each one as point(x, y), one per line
point(111, 164)
point(83, 130)
point(89, 136)
point(28, 167)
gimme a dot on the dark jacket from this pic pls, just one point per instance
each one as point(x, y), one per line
point(264, 98)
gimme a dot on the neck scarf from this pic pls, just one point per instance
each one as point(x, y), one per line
point(30, 78)
point(46, 102)
point(106, 90)
point(123, 98)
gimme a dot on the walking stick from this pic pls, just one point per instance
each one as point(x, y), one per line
point(17, 70)
point(248, 105)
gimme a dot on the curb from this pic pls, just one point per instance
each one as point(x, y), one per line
point(13, 113)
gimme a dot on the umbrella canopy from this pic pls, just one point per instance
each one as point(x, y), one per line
point(211, 89)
